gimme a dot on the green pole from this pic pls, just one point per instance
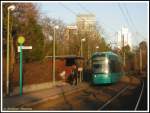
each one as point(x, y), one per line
point(7, 68)
point(21, 40)
point(54, 58)
point(20, 69)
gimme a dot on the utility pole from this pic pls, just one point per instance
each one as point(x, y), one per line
point(81, 46)
point(140, 60)
point(135, 61)
point(88, 49)
point(54, 45)
point(10, 8)
point(124, 63)
point(81, 54)
point(7, 65)
point(54, 58)
point(69, 41)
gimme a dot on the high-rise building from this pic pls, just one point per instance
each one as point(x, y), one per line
point(86, 21)
point(124, 36)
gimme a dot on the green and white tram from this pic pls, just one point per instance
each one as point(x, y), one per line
point(106, 68)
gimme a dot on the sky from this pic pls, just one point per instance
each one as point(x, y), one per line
point(110, 15)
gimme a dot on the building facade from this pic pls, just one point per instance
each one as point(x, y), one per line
point(86, 21)
point(124, 38)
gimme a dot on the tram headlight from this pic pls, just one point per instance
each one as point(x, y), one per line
point(106, 71)
point(106, 61)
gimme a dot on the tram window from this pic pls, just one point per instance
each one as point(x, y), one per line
point(113, 66)
point(100, 67)
point(118, 66)
point(96, 65)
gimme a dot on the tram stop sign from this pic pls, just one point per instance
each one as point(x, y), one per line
point(21, 40)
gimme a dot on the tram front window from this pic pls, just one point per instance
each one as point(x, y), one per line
point(100, 66)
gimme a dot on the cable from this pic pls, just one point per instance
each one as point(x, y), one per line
point(84, 8)
point(67, 8)
point(72, 11)
point(111, 29)
point(129, 17)
point(131, 20)
point(123, 13)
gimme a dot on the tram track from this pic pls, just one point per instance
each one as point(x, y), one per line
point(87, 99)
point(139, 99)
point(142, 101)
point(118, 96)
point(114, 97)
point(132, 104)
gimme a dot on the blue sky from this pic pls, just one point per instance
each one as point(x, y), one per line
point(108, 15)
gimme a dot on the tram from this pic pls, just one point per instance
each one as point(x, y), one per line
point(106, 68)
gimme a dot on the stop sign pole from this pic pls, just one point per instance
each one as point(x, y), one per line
point(21, 40)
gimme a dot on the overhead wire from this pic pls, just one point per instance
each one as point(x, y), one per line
point(72, 11)
point(124, 14)
point(69, 9)
point(84, 8)
point(131, 20)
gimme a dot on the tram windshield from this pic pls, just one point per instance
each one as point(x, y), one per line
point(100, 65)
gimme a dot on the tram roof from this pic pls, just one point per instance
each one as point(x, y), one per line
point(104, 53)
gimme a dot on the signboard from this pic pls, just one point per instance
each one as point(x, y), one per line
point(24, 47)
point(72, 27)
point(21, 39)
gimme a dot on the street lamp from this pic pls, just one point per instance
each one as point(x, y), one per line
point(123, 47)
point(97, 47)
point(140, 60)
point(81, 50)
point(55, 27)
point(82, 40)
point(11, 7)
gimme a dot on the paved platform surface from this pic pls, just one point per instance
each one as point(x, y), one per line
point(39, 96)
